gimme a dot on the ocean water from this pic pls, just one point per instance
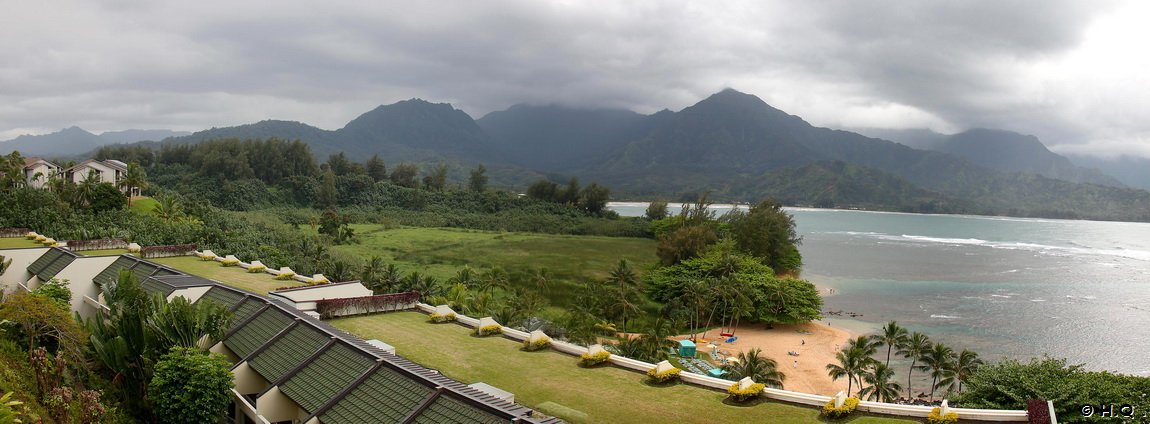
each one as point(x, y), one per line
point(1004, 287)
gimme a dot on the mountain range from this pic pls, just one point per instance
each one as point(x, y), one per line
point(74, 140)
point(734, 146)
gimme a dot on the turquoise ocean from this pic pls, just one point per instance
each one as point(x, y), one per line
point(1004, 287)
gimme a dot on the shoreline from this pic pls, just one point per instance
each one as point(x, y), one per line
point(815, 342)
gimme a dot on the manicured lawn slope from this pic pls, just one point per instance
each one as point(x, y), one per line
point(552, 382)
point(234, 276)
point(440, 252)
point(17, 242)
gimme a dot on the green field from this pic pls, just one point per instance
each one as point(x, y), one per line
point(234, 276)
point(103, 252)
point(440, 252)
point(17, 242)
point(143, 204)
point(554, 384)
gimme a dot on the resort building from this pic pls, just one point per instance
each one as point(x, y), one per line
point(109, 171)
point(38, 171)
point(289, 367)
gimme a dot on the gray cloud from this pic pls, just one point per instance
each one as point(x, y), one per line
point(193, 65)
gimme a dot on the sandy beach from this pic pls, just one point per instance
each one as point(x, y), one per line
point(809, 375)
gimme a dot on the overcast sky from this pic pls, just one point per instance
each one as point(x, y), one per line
point(1074, 73)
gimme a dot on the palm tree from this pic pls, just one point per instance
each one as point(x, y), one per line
point(938, 360)
point(623, 275)
point(624, 304)
point(168, 208)
point(541, 277)
point(881, 387)
point(391, 278)
point(465, 276)
point(852, 361)
point(133, 181)
point(915, 347)
point(761, 369)
point(86, 190)
point(494, 278)
point(370, 274)
point(964, 365)
point(892, 337)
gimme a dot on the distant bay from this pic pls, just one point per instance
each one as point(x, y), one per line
point(1004, 287)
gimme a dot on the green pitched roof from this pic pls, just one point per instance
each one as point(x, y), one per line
point(385, 396)
point(246, 309)
point(289, 351)
point(224, 297)
point(144, 270)
point(51, 263)
point(257, 332)
point(153, 286)
point(326, 377)
point(112, 272)
point(448, 410)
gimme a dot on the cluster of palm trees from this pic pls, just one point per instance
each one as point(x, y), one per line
point(948, 369)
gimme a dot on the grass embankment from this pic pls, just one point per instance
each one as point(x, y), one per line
point(103, 252)
point(143, 204)
point(234, 276)
point(554, 384)
point(18, 242)
point(441, 252)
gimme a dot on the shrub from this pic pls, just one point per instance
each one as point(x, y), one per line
point(437, 318)
point(849, 406)
point(229, 262)
point(537, 345)
point(751, 392)
point(663, 377)
point(936, 417)
point(587, 359)
point(8, 411)
point(488, 330)
point(207, 257)
point(285, 276)
point(31, 235)
point(257, 268)
point(40, 237)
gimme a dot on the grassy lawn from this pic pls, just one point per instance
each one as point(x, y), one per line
point(552, 382)
point(440, 252)
point(143, 204)
point(16, 242)
point(235, 276)
point(103, 252)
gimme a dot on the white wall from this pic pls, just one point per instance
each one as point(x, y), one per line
point(18, 272)
point(79, 274)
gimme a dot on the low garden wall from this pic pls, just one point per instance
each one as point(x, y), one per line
point(99, 244)
point(331, 308)
point(991, 415)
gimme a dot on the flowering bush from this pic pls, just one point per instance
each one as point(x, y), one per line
point(229, 262)
point(587, 359)
point(663, 377)
point(285, 276)
point(40, 237)
point(751, 392)
point(441, 317)
point(257, 268)
point(530, 346)
point(936, 417)
point(30, 235)
point(488, 330)
point(207, 257)
point(849, 406)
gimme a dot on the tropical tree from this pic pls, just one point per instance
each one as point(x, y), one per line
point(168, 208)
point(466, 277)
point(191, 386)
point(133, 181)
point(494, 278)
point(938, 360)
point(761, 369)
point(182, 324)
point(915, 347)
point(391, 278)
point(893, 337)
point(371, 274)
point(477, 181)
point(542, 277)
point(625, 304)
point(852, 361)
point(86, 190)
point(964, 366)
point(880, 388)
